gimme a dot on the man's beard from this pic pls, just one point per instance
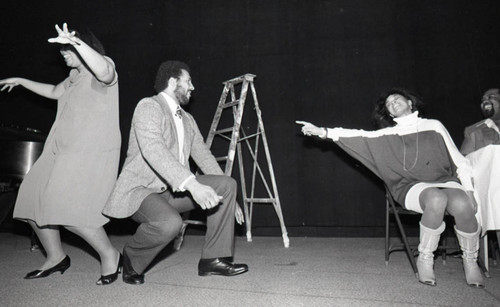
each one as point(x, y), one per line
point(488, 112)
point(181, 97)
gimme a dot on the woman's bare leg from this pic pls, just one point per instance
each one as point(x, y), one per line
point(98, 239)
point(433, 202)
point(50, 238)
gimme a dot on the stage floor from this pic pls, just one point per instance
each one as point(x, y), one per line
point(311, 272)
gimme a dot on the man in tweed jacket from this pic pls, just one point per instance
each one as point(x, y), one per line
point(156, 185)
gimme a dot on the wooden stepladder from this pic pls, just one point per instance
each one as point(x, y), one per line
point(236, 135)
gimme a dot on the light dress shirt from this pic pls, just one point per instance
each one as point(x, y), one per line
point(179, 127)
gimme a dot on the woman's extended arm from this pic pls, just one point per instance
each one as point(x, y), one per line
point(43, 89)
point(336, 133)
point(360, 144)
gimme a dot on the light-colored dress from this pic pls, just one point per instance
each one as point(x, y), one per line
point(72, 179)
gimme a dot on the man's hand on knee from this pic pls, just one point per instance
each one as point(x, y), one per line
point(203, 195)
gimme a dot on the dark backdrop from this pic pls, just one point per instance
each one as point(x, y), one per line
point(320, 61)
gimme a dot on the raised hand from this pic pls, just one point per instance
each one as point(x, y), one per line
point(64, 36)
point(8, 84)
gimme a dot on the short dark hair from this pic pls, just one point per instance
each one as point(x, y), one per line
point(382, 116)
point(90, 39)
point(167, 70)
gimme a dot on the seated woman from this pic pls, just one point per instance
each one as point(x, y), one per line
point(423, 170)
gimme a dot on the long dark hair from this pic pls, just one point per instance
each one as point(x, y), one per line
point(89, 38)
point(382, 116)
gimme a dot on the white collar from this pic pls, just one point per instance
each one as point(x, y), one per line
point(408, 119)
point(491, 124)
point(170, 102)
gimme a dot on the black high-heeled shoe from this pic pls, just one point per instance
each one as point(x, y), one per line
point(107, 279)
point(60, 267)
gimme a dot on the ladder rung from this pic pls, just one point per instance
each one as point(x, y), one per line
point(224, 137)
point(250, 136)
point(260, 200)
point(230, 104)
point(194, 222)
point(225, 130)
point(218, 159)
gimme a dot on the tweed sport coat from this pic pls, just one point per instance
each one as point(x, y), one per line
point(478, 136)
point(152, 164)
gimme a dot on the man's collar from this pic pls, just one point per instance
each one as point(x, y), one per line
point(491, 124)
point(170, 102)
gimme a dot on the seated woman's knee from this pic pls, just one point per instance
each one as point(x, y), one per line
point(434, 199)
point(460, 204)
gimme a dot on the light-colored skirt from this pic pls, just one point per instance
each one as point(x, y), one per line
point(68, 189)
point(412, 197)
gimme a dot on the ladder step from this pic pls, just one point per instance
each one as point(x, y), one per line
point(230, 104)
point(260, 200)
point(218, 159)
point(250, 136)
point(222, 131)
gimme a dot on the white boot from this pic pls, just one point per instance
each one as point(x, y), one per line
point(429, 240)
point(469, 244)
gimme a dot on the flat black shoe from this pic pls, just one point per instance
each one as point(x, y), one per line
point(107, 279)
point(220, 266)
point(129, 275)
point(60, 267)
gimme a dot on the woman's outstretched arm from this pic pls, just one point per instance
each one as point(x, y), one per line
point(43, 89)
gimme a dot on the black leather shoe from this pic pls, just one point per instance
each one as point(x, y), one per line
point(60, 267)
point(107, 279)
point(220, 266)
point(129, 275)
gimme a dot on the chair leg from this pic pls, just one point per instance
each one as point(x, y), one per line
point(444, 244)
point(482, 259)
point(180, 237)
point(409, 251)
point(387, 238)
point(495, 246)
